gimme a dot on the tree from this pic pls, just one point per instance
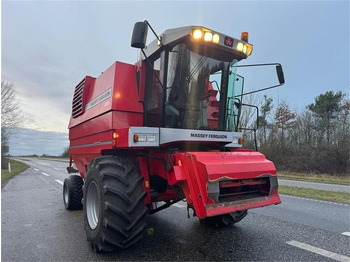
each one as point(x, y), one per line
point(284, 119)
point(315, 140)
point(11, 114)
point(265, 110)
point(65, 152)
point(326, 108)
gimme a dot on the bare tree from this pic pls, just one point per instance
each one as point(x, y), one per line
point(265, 110)
point(248, 119)
point(284, 120)
point(11, 114)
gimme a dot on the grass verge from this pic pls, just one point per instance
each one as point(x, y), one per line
point(320, 178)
point(16, 168)
point(332, 196)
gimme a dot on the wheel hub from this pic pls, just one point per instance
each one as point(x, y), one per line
point(92, 205)
point(65, 193)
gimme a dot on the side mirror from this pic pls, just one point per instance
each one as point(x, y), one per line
point(280, 74)
point(139, 35)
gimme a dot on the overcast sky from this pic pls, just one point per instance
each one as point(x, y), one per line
point(48, 47)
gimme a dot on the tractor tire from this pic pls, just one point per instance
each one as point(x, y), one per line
point(114, 209)
point(73, 192)
point(225, 220)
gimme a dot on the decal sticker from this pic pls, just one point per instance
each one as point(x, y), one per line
point(97, 100)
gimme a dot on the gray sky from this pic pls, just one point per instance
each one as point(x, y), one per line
point(48, 47)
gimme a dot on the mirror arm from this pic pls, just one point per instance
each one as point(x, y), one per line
point(158, 37)
point(252, 65)
point(252, 92)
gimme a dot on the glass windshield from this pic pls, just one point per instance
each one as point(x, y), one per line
point(195, 87)
point(234, 99)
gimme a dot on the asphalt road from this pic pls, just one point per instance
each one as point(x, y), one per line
point(36, 227)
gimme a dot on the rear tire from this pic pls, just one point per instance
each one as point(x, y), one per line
point(73, 192)
point(225, 220)
point(114, 209)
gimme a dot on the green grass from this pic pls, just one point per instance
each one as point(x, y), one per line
point(332, 196)
point(320, 178)
point(16, 168)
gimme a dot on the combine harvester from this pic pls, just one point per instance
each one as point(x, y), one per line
point(146, 136)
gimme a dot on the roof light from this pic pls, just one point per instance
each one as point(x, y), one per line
point(244, 36)
point(159, 42)
point(208, 36)
point(249, 49)
point(216, 38)
point(197, 34)
point(245, 48)
point(240, 46)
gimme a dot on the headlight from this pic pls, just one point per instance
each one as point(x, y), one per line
point(197, 34)
point(240, 47)
point(216, 38)
point(249, 49)
point(245, 48)
point(208, 36)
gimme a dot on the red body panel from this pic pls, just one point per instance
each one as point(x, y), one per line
point(234, 165)
point(200, 169)
point(109, 102)
point(120, 78)
point(213, 183)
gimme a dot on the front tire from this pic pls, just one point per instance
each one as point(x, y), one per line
point(73, 192)
point(114, 209)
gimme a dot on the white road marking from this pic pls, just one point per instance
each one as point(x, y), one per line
point(346, 234)
point(43, 163)
point(57, 168)
point(36, 169)
point(319, 251)
point(59, 182)
point(316, 200)
point(45, 174)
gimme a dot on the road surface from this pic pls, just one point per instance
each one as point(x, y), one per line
point(36, 227)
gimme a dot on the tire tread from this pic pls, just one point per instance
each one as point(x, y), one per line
point(123, 203)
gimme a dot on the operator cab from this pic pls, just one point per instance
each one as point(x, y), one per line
point(191, 80)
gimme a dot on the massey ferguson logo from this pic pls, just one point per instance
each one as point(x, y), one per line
point(208, 136)
point(105, 95)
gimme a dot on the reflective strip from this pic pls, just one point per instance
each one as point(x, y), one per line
point(93, 144)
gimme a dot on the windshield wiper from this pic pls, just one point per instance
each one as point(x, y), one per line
point(196, 68)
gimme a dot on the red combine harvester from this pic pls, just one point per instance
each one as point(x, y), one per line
point(146, 136)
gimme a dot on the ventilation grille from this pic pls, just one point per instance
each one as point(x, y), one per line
point(233, 190)
point(77, 105)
